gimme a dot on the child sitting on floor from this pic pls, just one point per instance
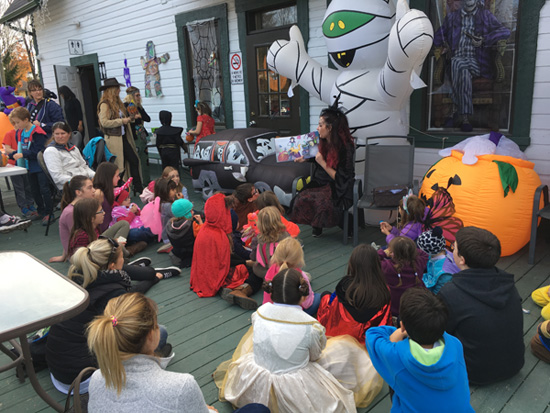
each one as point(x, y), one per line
point(402, 264)
point(540, 343)
point(419, 361)
point(413, 212)
point(125, 210)
point(541, 297)
point(361, 299)
point(271, 232)
point(286, 362)
point(289, 254)
point(485, 311)
point(441, 264)
point(148, 194)
point(181, 231)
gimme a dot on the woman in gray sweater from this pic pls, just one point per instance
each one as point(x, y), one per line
point(131, 378)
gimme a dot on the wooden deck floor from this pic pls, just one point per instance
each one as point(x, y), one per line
point(205, 331)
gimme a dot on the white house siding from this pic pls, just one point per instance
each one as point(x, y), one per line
point(539, 150)
point(120, 29)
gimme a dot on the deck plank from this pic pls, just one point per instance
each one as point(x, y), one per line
point(205, 331)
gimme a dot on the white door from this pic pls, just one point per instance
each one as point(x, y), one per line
point(68, 76)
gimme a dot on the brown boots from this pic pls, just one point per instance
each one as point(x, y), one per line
point(240, 296)
point(136, 248)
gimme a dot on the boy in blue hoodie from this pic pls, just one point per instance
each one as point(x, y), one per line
point(419, 361)
point(31, 139)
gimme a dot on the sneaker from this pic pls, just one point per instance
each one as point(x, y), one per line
point(141, 262)
point(165, 249)
point(168, 272)
point(45, 220)
point(316, 232)
point(33, 215)
point(14, 223)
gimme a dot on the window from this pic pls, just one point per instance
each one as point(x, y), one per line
point(204, 64)
point(274, 19)
point(261, 146)
point(471, 67)
point(431, 106)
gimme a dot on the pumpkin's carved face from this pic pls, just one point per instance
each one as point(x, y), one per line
point(496, 194)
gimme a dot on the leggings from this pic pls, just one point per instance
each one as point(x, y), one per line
point(133, 160)
point(146, 276)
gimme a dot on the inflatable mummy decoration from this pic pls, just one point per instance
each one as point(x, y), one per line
point(378, 47)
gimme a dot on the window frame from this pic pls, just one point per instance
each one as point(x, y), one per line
point(244, 6)
point(522, 102)
point(219, 13)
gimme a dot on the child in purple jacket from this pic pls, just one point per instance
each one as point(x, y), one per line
point(413, 212)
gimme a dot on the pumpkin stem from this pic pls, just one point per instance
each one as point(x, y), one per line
point(508, 176)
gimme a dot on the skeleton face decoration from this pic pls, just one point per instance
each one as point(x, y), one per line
point(264, 147)
point(356, 32)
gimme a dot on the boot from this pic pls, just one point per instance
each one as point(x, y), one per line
point(135, 248)
point(240, 296)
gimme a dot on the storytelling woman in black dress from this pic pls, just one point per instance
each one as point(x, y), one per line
point(323, 201)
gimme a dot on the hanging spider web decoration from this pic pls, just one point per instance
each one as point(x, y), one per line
point(207, 78)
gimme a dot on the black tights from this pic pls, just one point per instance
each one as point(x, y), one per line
point(146, 276)
point(132, 159)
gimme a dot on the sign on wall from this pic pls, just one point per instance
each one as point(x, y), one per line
point(76, 47)
point(236, 68)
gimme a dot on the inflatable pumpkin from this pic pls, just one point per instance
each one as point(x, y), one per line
point(5, 126)
point(496, 194)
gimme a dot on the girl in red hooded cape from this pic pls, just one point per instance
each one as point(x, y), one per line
point(212, 252)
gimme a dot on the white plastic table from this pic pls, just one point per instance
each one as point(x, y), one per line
point(9, 170)
point(34, 296)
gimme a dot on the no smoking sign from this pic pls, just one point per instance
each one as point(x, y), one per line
point(236, 68)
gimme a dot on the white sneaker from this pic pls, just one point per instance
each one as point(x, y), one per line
point(14, 223)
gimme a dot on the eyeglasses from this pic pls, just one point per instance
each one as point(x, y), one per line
point(114, 248)
point(101, 211)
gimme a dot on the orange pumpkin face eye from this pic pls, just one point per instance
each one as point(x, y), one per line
point(454, 180)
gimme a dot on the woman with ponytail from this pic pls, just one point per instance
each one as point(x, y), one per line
point(100, 269)
point(289, 254)
point(131, 377)
point(286, 362)
point(79, 187)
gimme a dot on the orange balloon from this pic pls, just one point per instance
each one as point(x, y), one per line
point(479, 195)
point(5, 125)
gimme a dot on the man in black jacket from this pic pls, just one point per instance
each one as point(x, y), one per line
point(485, 311)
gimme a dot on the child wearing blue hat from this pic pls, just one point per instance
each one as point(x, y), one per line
point(181, 231)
